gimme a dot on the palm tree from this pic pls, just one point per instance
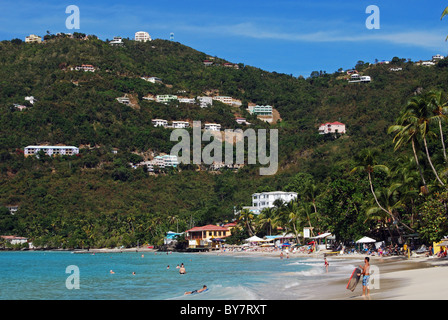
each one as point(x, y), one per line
point(367, 163)
point(267, 219)
point(439, 109)
point(292, 211)
point(418, 110)
point(407, 131)
point(245, 217)
point(444, 13)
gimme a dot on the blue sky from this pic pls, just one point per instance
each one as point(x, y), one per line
point(292, 37)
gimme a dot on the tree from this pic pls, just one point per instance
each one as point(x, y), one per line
point(245, 218)
point(267, 219)
point(444, 13)
point(418, 111)
point(439, 106)
point(407, 131)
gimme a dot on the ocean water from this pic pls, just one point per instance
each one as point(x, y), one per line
point(44, 276)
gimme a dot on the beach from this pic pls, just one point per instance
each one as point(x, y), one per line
point(231, 275)
point(398, 278)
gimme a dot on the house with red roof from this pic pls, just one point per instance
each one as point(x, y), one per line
point(332, 127)
point(204, 236)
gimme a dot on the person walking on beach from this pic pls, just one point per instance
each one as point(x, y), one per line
point(326, 264)
point(366, 277)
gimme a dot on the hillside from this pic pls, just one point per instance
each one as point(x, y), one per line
point(97, 199)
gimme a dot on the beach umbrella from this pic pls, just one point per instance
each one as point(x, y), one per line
point(366, 240)
point(254, 239)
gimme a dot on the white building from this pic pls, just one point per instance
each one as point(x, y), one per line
point(152, 79)
point(260, 110)
point(51, 150)
point(212, 126)
point(180, 124)
point(241, 121)
point(142, 36)
point(159, 123)
point(20, 106)
point(85, 68)
point(166, 98)
point(32, 38)
point(117, 41)
point(187, 100)
point(205, 102)
point(227, 100)
point(357, 78)
point(161, 162)
point(14, 239)
point(31, 99)
point(124, 100)
point(428, 63)
point(264, 200)
point(332, 127)
point(437, 57)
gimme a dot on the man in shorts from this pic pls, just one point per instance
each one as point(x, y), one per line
point(366, 277)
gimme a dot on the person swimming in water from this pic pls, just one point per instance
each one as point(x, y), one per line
point(197, 291)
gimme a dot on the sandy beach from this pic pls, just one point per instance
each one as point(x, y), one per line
point(398, 278)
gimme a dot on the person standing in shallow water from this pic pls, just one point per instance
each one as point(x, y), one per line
point(366, 277)
point(182, 269)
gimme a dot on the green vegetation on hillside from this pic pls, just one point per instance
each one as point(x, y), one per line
point(96, 199)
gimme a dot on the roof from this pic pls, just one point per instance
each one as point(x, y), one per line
point(52, 147)
point(209, 227)
point(336, 123)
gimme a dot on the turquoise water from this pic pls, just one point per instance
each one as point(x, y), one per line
point(42, 276)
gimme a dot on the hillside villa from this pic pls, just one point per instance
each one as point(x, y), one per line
point(32, 38)
point(332, 127)
point(152, 79)
point(228, 100)
point(51, 150)
point(212, 126)
point(124, 100)
point(166, 98)
point(355, 78)
point(85, 68)
point(142, 36)
point(117, 41)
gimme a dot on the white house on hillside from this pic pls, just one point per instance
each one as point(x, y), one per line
point(159, 123)
point(212, 126)
point(142, 36)
point(332, 127)
point(51, 150)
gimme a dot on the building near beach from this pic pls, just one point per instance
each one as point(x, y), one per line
point(206, 236)
point(264, 200)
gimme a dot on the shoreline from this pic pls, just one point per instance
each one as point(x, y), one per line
point(400, 278)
